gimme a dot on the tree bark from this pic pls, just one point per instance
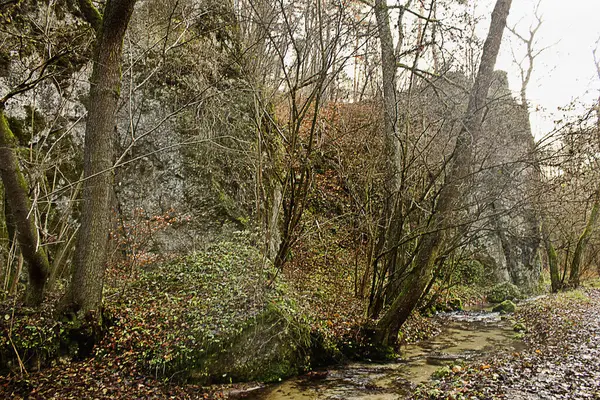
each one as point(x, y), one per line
point(85, 292)
point(19, 210)
point(390, 226)
point(555, 280)
point(431, 244)
point(390, 99)
point(584, 238)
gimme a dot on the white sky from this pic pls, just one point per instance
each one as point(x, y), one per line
point(563, 72)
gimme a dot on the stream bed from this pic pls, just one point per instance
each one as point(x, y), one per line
point(466, 336)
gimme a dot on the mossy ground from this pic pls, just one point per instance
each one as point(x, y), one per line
point(216, 316)
point(212, 317)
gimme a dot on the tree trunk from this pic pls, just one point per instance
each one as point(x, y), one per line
point(85, 292)
point(583, 241)
point(390, 99)
point(19, 212)
point(552, 260)
point(431, 243)
point(390, 226)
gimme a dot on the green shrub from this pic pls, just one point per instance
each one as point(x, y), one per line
point(519, 327)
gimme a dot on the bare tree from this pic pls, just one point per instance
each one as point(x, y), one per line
point(431, 243)
point(294, 72)
point(526, 66)
point(32, 72)
point(526, 63)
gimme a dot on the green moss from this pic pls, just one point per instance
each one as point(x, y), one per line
point(455, 304)
point(91, 14)
point(519, 327)
point(39, 338)
point(519, 335)
point(503, 291)
point(505, 307)
point(211, 316)
point(17, 126)
point(363, 346)
point(25, 129)
point(577, 295)
point(273, 346)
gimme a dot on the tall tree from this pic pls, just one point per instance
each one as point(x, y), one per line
point(430, 244)
point(85, 291)
point(390, 226)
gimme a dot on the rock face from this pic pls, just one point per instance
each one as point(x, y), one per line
point(502, 292)
point(188, 127)
point(186, 155)
point(504, 233)
point(191, 165)
point(504, 192)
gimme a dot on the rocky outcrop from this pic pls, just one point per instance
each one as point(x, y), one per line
point(505, 191)
point(186, 133)
point(187, 154)
point(504, 232)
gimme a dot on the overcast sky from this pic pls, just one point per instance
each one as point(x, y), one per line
point(565, 70)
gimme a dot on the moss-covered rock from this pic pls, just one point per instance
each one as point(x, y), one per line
point(274, 345)
point(505, 307)
point(503, 291)
point(212, 317)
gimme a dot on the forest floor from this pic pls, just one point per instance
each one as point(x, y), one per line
point(561, 360)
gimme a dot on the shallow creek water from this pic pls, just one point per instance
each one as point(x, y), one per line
point(466, 336)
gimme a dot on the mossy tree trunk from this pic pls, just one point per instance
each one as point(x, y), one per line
point(431, 243)
point(552, 256)
point(18, 207)
point(584, 238)
point(85, 292)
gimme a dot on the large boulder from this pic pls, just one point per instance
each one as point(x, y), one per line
point(273, 346)
point(211, 317)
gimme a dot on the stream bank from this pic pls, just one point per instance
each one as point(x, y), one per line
point(466, 337)
point(559, 360)
point(556, 356)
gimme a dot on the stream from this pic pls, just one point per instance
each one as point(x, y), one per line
point(466, 336)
